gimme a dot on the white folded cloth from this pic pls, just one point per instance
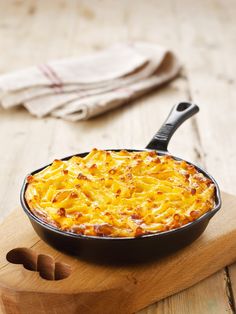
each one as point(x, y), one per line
point(80, 88)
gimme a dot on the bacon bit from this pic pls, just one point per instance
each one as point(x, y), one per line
point(78, 186)
point(166, 228)
point(78, 215)
point(102, 179)
point(159, 192)
point(87, 195)
point(187, 176)
point(200, 179)
point(157, 160)
point(139, 232)
point(30, 179)
point(93, 167)
point(135, 216)
point(112, 171)
point(82, 177)
point(191, 169)
point(208, 182)
point(185, 221)
point(65, 172)
point(122, 178)
point(73, 195)
point(79, 229)
point(152, 153)
point(103, 229)
point(194, 214)
point(129, 208)
point(118, 193)
point(57, 160)
point(193, 191)
point(61, 212)
point(176, 217)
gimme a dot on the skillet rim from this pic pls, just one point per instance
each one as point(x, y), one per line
point(210, 214)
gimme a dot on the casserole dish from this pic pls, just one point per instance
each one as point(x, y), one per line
point(130, 248)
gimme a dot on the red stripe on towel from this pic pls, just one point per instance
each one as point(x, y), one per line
point(52, 77)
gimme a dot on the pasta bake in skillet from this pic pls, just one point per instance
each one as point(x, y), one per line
point(123, 204)
point(119, 194)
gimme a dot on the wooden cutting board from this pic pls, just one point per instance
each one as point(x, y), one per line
point(61, 284)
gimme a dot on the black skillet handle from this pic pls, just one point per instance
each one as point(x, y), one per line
point(177, 116)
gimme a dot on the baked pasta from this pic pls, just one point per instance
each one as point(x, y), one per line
point(119, 194)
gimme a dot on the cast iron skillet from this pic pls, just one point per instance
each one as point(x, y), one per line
point(131, 249)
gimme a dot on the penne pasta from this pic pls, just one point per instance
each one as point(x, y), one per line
point(119, 194)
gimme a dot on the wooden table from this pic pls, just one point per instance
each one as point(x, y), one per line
point(202, 33)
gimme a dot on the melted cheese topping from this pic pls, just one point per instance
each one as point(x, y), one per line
point(119, 194)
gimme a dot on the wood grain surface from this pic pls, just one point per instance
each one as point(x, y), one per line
point(202, 33)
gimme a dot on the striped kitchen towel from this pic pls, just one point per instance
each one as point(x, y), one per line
point(80, 88)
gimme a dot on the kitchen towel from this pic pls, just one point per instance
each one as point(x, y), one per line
point(80, 88)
